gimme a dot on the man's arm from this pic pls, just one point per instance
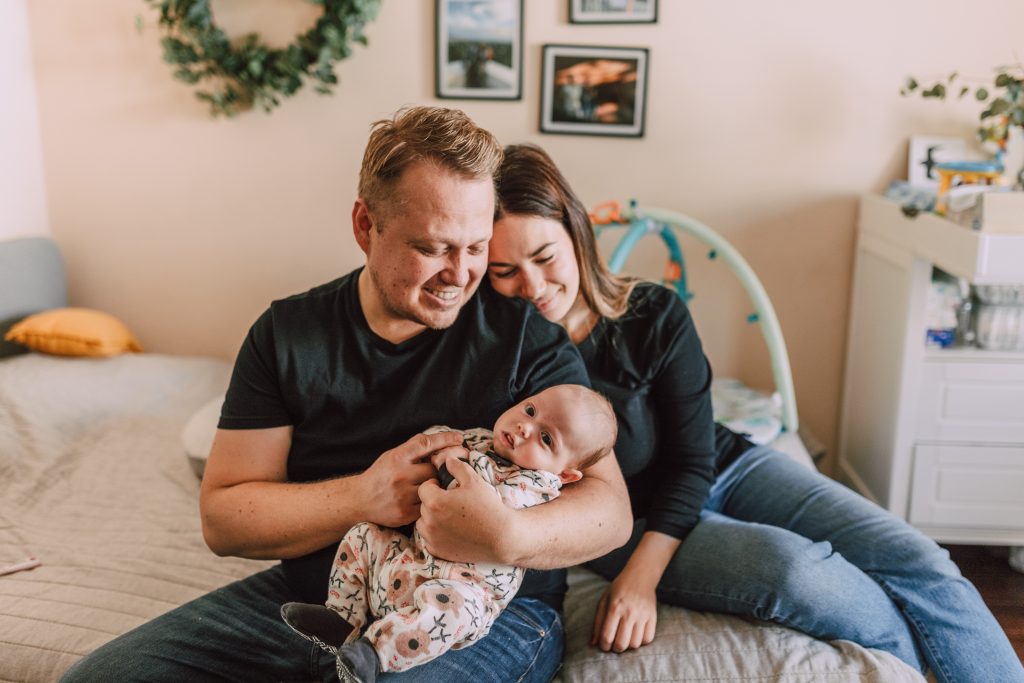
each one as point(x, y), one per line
point(470, 524)
point(250, 509)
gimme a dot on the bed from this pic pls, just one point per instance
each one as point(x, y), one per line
point(95, 483)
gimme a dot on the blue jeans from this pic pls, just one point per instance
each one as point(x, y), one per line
point(236, 634)
point(780, 542)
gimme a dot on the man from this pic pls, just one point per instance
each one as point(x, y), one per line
point(325, 385)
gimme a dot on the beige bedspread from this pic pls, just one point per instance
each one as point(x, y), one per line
point(94, 482)
point(701, 647)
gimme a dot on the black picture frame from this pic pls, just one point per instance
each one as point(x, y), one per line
point(479, 55)
point(591, 90)
point(613, 11)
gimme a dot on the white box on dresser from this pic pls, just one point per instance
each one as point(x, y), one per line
point(934, 435)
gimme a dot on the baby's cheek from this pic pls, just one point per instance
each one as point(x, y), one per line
point(529, 460)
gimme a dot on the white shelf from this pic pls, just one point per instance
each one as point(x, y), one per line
point(936, 436)
point(979, 257)
point(972, 353)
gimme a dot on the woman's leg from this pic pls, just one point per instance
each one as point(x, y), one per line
point(850, 538)
point(748, 569)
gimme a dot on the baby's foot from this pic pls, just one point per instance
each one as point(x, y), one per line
point(323, 626)
point(358, 663)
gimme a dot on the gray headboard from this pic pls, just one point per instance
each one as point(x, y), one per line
point(31, 280)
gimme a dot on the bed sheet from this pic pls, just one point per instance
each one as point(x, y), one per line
point(94, 483)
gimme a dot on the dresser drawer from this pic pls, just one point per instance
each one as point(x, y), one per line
point(971, 400)
point(968, 486)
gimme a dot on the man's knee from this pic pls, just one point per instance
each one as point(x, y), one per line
point(104, 664)
point(537, 634)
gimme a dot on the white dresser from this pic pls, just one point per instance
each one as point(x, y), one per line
point(934, 435)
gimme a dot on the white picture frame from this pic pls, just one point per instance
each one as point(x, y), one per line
point(479, 49)
point(613, 11)
point(927, 150)
point(589, 90)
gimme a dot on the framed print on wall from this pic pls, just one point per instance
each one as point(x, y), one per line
point(593, 90)
point(613, 11)
point(479, 49)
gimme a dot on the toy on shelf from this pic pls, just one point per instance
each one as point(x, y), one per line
point(969, 173)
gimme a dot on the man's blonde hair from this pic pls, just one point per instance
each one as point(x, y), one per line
point(444, 137)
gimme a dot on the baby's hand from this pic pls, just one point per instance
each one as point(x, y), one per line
point(439, 458)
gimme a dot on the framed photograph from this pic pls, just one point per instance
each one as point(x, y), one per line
point(925, 152)
point(480, 49)
point(613, 11)
point(593, 90)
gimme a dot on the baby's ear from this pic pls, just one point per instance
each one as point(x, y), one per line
point(569, 476)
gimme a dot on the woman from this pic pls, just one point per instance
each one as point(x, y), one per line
point(722, 525)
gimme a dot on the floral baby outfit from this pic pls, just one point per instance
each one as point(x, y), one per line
point(423, 605)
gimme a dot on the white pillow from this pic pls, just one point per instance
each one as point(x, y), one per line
point(197, 437)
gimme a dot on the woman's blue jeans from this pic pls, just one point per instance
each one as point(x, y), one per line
point(236, 634)
point(783, 543)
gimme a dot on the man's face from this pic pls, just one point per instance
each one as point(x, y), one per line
point(430, 252)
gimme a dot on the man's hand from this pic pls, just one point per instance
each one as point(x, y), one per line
point(465, 523)
point(390, 486)
point(627, 615)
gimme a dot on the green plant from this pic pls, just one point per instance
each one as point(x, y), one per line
point(246, 72)
point(1004, 103)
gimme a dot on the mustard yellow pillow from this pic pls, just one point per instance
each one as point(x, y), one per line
point(74, 332)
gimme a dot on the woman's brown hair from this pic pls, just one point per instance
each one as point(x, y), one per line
point(529, 184)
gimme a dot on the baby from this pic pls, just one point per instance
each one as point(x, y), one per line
point(422, 606)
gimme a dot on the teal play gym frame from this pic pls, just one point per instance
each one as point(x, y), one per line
point(652, 221)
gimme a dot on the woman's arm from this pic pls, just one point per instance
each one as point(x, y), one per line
point(470, 524)
point(663, 340)
point(627, 613)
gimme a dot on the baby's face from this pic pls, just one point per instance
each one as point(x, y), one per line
point(544, 432)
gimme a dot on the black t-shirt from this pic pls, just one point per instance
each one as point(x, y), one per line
point(312, 361)
point(650, 365)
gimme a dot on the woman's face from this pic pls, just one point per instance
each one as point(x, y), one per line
point(532, 258)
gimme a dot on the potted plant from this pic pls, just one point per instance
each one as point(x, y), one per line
point(1004, 104)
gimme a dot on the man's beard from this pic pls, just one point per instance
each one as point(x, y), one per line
point(402, 312)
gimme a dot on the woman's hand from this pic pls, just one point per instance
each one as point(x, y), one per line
point(627, 614)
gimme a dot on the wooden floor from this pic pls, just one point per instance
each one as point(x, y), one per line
point(1000, 586)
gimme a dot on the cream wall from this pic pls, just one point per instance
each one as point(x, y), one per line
point(766, 120)
point(22, 190)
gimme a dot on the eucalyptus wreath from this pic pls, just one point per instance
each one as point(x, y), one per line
point(238, 75)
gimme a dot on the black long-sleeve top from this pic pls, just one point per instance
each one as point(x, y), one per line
point(651, 366)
